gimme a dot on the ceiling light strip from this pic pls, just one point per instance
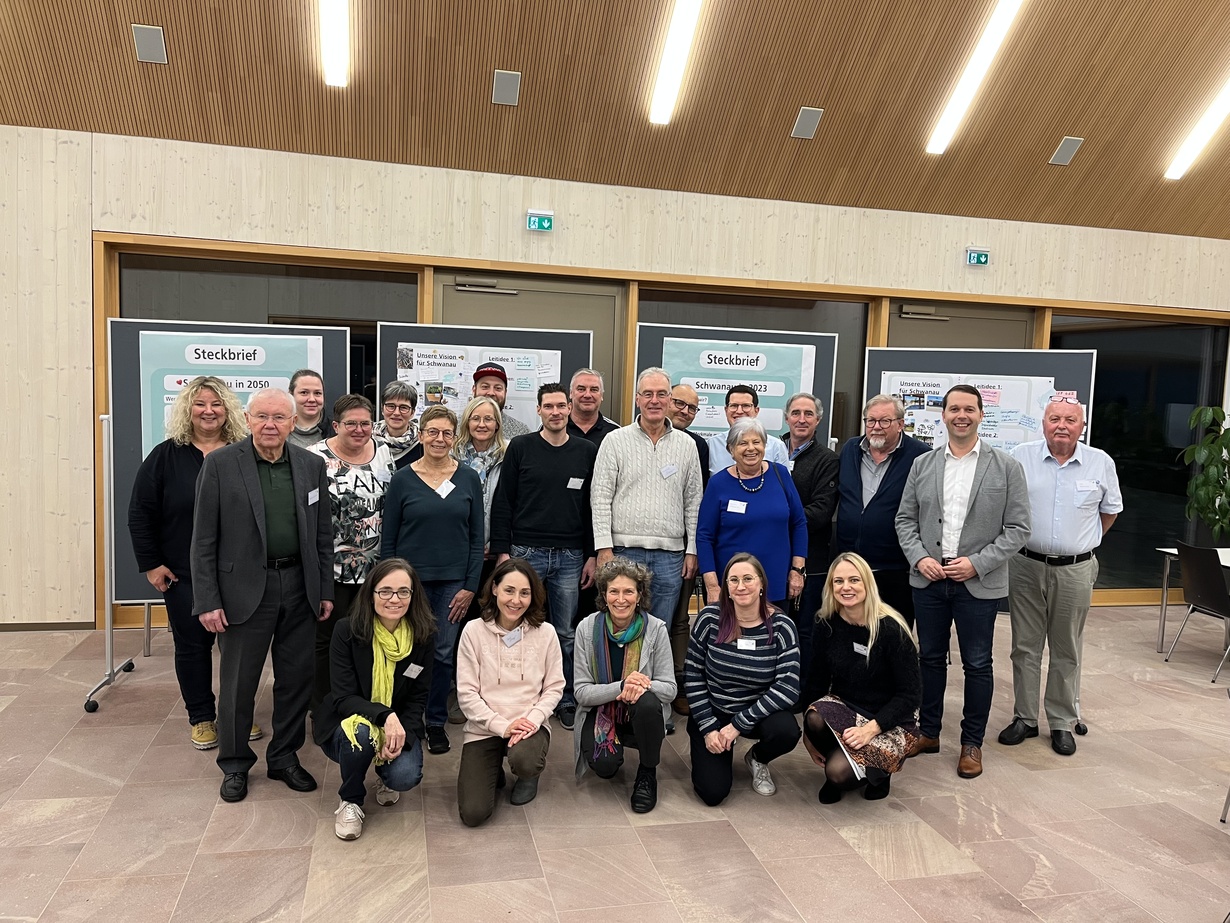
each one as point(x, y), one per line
point(975, 70)
point(674, 60)
point(1201, 134)
point(335, 41)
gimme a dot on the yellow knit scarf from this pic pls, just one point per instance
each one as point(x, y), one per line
point(387, 649)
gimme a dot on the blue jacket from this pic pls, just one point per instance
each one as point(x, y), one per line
point(871, 532)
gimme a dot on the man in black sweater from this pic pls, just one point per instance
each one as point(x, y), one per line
point(541, 513)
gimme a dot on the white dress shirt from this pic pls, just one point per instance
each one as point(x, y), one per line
point(1066, 501)
point(958, 485)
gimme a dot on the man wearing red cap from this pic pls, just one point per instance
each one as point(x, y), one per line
point(490, 380)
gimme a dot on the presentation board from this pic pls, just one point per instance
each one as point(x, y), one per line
point(777, 363)
point(440, 362)
point(1015, 385)
point(151, 361)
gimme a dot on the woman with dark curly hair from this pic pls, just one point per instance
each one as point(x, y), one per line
point(624, 674)
point(510, 677)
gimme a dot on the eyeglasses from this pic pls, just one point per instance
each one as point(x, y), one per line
point(873, 423)
point(438, 434)
point(684, 405)
point(746, 408)
point(280, 419)
point(745, 580)
point(398, 408)
point(1065, 400)
point(655, 395)
point(353, 425)
point(387, 592)
point(490, 421)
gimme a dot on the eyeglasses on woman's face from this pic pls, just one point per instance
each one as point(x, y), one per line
point(356, 425)
point(387, 592)
point(398, 408)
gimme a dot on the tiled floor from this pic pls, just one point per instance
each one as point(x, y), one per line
point(113, 816)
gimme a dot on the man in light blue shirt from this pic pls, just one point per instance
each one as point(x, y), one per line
point(742, 401)
point(1073, 500)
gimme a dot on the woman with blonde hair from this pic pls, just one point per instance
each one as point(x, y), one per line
point(864, 685)
point(206, 415)
point(480, 446)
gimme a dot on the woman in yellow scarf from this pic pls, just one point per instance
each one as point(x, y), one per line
point(380, 671)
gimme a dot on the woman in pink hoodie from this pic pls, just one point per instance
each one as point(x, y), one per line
point(510, 678)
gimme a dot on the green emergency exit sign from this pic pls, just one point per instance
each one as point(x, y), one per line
point(975, 256)
point(539, 220)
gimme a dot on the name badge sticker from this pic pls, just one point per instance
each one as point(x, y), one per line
point(576, 483)
point(746, 644)
point(512, 637)
point(736, 506)
point(860, 648)
point(383, 475)
point(668, 470)
point(313, 496)
point(413, 670)
point(1084, 484)
point(445, 489)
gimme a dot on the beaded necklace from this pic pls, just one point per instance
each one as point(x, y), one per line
point(750, 490)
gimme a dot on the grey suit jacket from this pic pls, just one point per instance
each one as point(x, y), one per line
point(228, 531)
point(996, 523)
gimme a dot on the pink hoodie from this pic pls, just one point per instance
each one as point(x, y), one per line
point(496, 684)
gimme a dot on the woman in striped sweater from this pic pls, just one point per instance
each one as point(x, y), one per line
point(742, 680)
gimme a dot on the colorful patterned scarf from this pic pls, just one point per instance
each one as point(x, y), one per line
point(387, 649)
point(606, 737)
point(398, 445)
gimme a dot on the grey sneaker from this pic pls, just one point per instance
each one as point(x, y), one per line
point(524, 791)
point(385, 795)
point(349, 823)
point(762, 782)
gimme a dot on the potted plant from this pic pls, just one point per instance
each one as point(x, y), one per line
point(1208, 491)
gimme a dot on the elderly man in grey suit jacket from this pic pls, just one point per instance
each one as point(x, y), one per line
point(963, 516)
point(262, 573)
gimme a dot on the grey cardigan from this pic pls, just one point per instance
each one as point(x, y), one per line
point(996, 524)
point(657, 663)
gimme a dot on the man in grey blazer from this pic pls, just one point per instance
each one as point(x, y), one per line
point(262, 573)
point(964, 515)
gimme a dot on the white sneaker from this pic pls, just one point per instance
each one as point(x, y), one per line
point(349, 823)
point(762, 782)
point(385, 795)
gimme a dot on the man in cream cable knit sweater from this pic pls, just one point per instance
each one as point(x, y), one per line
point(646, 494)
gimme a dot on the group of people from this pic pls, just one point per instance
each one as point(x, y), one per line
point(470, 570)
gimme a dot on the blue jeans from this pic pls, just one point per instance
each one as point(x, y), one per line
point(936, 607)
point(401, 774)
point(560, 570)
point(666, 569)
point(439, 594)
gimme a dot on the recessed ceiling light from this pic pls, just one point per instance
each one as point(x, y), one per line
point(506, 88)
point(674, 60)
point(806, 123)
point(975, 70)
point(335, 41)
point(151, 44)
point(1201, 134)
point(1066, 151)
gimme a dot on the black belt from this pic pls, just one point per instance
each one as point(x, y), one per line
point(1057, 560)
point(282, 563)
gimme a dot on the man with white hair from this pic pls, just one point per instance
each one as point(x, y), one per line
point(262, 574)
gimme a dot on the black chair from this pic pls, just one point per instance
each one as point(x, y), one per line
point(1204, 590)
point(1226, 807)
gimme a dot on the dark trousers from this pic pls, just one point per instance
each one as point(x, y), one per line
point(895, 589)
point(194, 653)
point(285, 623)
point(713, 773)
point(401, 774)
point(644, 732)
point(938, 606)
point(343, 596)
point(482, 761)
point(681, 627)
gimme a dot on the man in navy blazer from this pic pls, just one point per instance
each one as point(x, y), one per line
point(262, 573)
point(964, 515)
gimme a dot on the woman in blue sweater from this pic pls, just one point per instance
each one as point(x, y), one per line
point(742, 680)
point(753, 506)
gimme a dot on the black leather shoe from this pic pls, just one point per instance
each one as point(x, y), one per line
point(437, 739)
point(1016, 732)
point(523, 791)
point(1063, 743)
point(645, 791)
point(296, 778)
point(234, 787)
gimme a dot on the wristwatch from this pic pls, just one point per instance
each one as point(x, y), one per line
point(802, 571)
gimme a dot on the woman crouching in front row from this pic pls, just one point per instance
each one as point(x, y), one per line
point(864, 685)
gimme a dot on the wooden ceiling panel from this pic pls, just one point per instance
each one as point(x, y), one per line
point(1131, 78)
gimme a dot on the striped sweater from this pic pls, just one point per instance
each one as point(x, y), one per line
point(748, 685)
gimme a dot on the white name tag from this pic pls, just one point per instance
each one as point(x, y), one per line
point(383, 475)
point(736, 506)
point(313, 496)
point(576, 483)
point(413, 670)
point(746, 644)
point(860, 648)
point(445, 489)
point(1087, 485)
point(512, 637)
point(790, 466)
point(668, 470)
